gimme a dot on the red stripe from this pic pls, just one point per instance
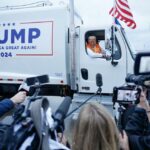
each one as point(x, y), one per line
point(118, 9)
point(126, 19)
point(125, 11)
point(34, 54)
point(123, 4)
point(10, 79)
point(20, 80)
point(111, 11)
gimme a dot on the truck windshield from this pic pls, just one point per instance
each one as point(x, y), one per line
point(132, 51)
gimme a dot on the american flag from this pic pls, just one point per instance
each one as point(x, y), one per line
point(122, 11)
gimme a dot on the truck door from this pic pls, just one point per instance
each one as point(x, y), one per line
point(100, 61)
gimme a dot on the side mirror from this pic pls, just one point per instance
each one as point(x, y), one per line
point(108, 44)
point(142, 64)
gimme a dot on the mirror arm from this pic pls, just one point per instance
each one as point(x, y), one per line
point(114, 63)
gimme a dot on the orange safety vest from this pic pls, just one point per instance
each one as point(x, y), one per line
point(96, 49)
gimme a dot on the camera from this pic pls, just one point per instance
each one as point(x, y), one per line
point(142, 80)
point(130, 93)
point(126, 94)
point(125, 97)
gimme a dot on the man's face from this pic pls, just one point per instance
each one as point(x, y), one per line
point(92, 41)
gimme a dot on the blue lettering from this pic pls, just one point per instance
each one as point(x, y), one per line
point(5, 37)
point(33, 34)
point(15, 35)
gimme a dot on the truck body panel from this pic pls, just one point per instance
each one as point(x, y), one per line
point(34, 43)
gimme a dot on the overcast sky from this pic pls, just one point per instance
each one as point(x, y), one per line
point(97, 12)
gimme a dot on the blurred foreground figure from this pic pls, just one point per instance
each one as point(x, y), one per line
point(96, 129)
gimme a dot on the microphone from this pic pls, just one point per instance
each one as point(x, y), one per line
point(99, 81)
point(61, 112)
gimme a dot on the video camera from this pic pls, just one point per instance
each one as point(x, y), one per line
point(130, 93)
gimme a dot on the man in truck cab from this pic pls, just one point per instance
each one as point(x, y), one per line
point(94, 49)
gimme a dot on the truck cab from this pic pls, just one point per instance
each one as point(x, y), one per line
point(113, 69)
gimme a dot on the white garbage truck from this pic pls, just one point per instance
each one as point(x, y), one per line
point(52, 39)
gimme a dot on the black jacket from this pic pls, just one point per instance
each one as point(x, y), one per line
point(138, 130)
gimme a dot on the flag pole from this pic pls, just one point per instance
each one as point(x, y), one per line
point(114, 6)
point(113, 32)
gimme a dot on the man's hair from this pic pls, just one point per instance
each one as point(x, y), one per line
point(92, 37)
point(95, 129)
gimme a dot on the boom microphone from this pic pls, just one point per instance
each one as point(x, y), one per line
point(61, 112)
point(99, 81)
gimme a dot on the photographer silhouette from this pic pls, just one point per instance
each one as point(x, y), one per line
point(138, 119)
point(138, 125)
